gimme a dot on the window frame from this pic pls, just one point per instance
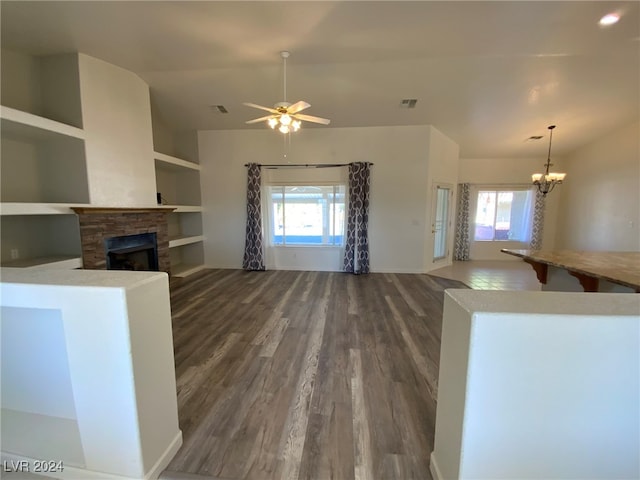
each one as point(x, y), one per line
point(272, 218)
point(500, 189)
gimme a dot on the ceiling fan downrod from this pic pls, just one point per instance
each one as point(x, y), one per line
point(284, 54)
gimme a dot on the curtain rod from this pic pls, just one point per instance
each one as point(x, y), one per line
point(303, 165)
point(493, 184)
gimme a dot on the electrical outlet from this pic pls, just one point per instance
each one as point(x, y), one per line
point(15, 254)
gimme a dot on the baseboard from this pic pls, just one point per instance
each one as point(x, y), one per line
point(26, 465)
point(433, 468)
point(396, 270)
point(165, 458)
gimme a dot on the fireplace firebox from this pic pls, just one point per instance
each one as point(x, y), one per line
point(132, 252)
point(100, 223)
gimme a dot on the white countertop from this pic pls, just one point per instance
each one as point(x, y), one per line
point(546, 303)
point(78, 278)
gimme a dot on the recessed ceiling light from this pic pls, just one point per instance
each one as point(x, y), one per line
point(609, 19)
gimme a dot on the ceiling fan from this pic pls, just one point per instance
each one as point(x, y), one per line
point(285, 116)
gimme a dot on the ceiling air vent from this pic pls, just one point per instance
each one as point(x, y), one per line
point(408, 103)
point(220, 108)
point(536, 137)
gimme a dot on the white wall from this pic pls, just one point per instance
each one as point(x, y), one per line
point(538, 385)
point(116, 114)
point(510, 171)
point(399, 189)
point(35, 383)
point(600, 199)
point(101, 394)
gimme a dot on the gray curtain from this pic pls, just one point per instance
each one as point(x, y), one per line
point(537, 228)
point(356, 253)
point(461, 247)
point(253, 243)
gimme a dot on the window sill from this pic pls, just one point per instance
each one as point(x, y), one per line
point(502, 241)
point(307, 246)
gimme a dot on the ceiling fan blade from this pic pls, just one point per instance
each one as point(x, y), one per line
point(310, 118)
point(253, 105)
point(257, 120)
point(297, 107)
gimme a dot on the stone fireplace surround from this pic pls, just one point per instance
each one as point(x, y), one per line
point(99, 223)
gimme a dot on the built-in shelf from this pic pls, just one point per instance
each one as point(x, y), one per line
point(188, 257)
point(57, 262)
point(41, 241)
point(17, 208)
point(173, 163)
point(44, 167)
point(184, 208)
point(43, 160)
point(184, 240)
point(21, 124)
point(183, 270)
point(177, 181)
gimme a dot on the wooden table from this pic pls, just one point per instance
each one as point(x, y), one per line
point(622, 268)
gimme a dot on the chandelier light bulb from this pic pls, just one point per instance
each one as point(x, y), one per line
point(284, 129)
point(295, 125)
point(272, 122)
point(285, 119)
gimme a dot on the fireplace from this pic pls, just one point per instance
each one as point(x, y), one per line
point(143, 233)
point(132, 252)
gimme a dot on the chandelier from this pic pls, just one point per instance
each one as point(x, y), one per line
point(547, 181)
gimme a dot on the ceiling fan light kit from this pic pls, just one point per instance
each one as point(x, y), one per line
point(283, 115)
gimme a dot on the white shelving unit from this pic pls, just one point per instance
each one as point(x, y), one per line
point(18, 122)
point(44, 165)
point(180, 241)
point(9, 208)
point(174, 163)
point(185, 208)
point(178, 183)
point(43, 174)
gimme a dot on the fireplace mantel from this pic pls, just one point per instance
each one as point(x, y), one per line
point(107, 210)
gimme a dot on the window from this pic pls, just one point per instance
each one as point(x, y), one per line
point(307, 215)
point(504, 215)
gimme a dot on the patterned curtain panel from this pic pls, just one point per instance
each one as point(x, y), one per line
point(537, 228)
point(356, 253)
point(461, 247)
point(253, 244)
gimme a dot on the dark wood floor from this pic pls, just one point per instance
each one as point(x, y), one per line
point(312, 375)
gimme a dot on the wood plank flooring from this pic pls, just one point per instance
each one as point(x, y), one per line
point(306, 375)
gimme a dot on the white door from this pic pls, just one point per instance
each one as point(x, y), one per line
point(440, 220)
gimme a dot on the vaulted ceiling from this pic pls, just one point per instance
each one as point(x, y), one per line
point(487, 74)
